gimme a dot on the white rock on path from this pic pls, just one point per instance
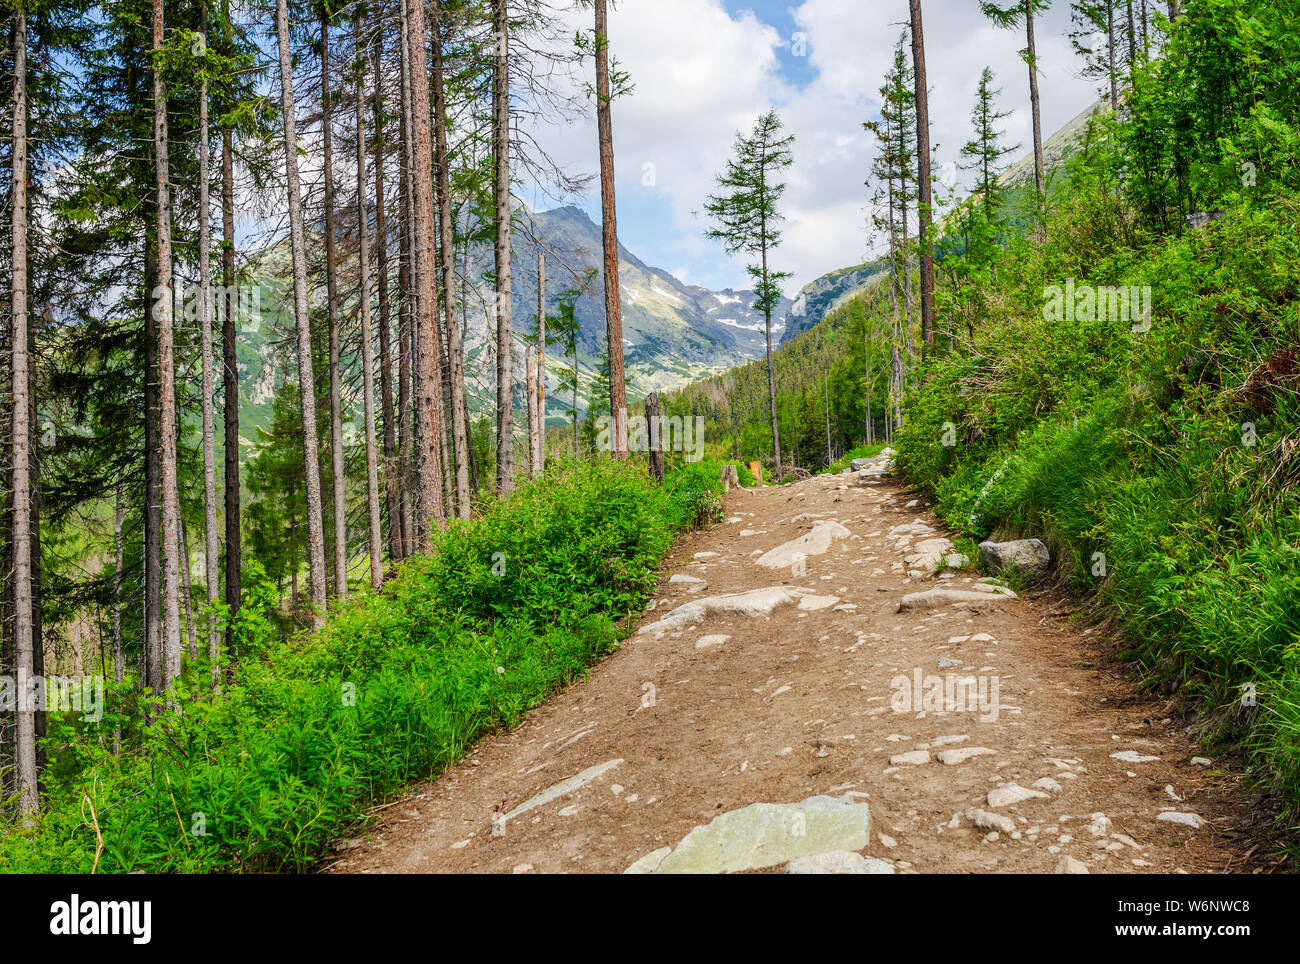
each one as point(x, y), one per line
point(1132, 756)
point(1098, 825)
point(961, 754)
point(837, 862)
point(1068, 865)
point(755, 602)
point(556, 791)
point(1012, 793)
point(929, 553)
point(716, 639)
point(934, 598)
point(764, 835)
point(911, 758)
point(812, 543)
point(1186, 819)
point(990, 821)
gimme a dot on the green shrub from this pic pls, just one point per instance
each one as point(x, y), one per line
point(1166, 490)
point(395, 688)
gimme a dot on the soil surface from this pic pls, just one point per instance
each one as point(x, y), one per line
point(817, 698)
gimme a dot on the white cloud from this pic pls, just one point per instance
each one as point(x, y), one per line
point(702, 72)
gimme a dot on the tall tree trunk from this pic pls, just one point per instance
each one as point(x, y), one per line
point(771, 365)
point(306, 379)
point(1132, 41)
point(923, 185)
point(332, 311)
point(24, 648)
point(367, 350)
point(539, 462)
point(501, 187)
point(406, 304)
point(385, 314)
point(530, 382)
point(1031, 55)
point(1173, 10)
point(187, 593)
point(119, 515)
point(464, 327)
point(211, 550)
point(1110, 56)
point(428, 380)
point(609, 236)
point(447, 238)
point(230, 389)
point(163, 305)
point(152, 603)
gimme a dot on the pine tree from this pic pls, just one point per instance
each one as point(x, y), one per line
point(748, 221)
point(985, 150)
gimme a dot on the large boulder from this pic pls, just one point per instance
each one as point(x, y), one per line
point(1028, 557)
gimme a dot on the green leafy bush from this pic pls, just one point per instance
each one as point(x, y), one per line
point(397, 686)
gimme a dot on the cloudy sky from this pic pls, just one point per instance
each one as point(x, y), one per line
point(703, 69)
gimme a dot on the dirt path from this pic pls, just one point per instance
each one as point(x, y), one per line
point(668, 734)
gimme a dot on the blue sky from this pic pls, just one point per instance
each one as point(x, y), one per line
point(705, 68)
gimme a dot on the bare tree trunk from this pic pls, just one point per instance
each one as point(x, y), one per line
point(654, 438)
point(24, 648)
point(152, 603)
point(501, 187)
point(539, 457)
point(771, 364)
point(1132, 41)
point(428, 380)
point(187, 593)
point(332, 310)
point(211, 550)
point(923, 173)
point(385, 316)
point(1040, 171)
point(530, 380)
point(119, 515)
point(446, 236)
point(464, 327)
point(609, 236)
point(826, 382)
point(1173, 10)
point(367, 350)
point(406, 305)
point(1110, 55)
point(306, 379)
point(230, 393)
point(163, 305)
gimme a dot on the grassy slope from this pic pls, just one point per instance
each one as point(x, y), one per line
point(1147, 449)
point(398, 685)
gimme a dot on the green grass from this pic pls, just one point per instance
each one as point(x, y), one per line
point(1126, 453)
point(506, 610)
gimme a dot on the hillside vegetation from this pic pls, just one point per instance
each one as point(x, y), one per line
point(266, 774)
point(1158, 457)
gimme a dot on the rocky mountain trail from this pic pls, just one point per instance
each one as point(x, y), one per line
point(805, 693)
